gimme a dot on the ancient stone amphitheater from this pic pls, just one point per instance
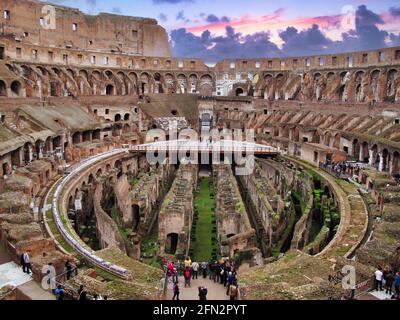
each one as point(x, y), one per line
point(83, 100)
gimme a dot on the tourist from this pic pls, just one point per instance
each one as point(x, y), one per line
point(74, 267)
point(188, 262)
point(385, 271)
point(95, 297)
point(170, 268)
point(204, 269)
point(223, 276)
point(187, 276)
point(389, 279)
point(83, 295)
point(195, 269)
point(397, 285)
point(175, 275)
point(217, 272)
point(68, 266)
point(176, 291)
point(378, 279)
point(211, 270)
point(233, 291)
point(59, 292)
point(231, 281)
point(27, 263)
point(23, 262)
point(203, 293)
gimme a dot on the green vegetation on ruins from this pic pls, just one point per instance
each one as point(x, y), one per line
point(204, 234)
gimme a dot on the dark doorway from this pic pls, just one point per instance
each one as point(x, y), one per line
point(172, 243)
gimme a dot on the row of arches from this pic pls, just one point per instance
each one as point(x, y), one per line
point(60, 81)
point(380, 157)
point(376, 85)
point(14, 89)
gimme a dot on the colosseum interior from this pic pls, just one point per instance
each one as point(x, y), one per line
point(80, 111)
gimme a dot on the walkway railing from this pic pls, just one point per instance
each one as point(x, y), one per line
point(90, 255)
point(223, 146)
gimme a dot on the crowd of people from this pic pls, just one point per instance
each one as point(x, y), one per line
point(342, 169)
point(222, 272)
point(386, 280)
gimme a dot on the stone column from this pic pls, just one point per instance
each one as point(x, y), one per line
point(371, 158)
point(381, 162)
point(40, 154)
point(361, 154)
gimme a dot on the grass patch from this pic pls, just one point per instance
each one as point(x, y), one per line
point(203, 246)
point(57, 235)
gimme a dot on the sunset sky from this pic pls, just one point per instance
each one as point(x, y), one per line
point(217, 29)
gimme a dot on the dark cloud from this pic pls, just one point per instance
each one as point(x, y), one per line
point(213, 48)
point(304, 42)
point(162, 17)
point(212, 18)
point(311, 41)
point(394, 11)
point(180, 15)
point(170, 1)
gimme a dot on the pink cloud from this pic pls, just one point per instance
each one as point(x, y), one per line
point(275, 21)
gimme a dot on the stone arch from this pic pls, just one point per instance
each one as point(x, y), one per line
point(356, 148)
point(182, 83)
point(193, 79)
point(109, 74)
point(391, 85)
point(336, 141)
point(364, 152)
point(171, 243)
point(127, 116)
point(16, 88)
point(77, 137)
point(374, 156)
point(99, 172)
point(96, 75)
point(84, 74)
point(42, 70)
point(394, 168)
point(158, 79)
point(28, 147)
point(170, 83)
point(384, 160)
point(96, 134)
point(145, 83)
point(110, 90)
point(239, 92)
point(206, 85)
point(117, 117)
point(359, 92)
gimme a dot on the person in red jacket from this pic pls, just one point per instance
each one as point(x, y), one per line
point(187, 277)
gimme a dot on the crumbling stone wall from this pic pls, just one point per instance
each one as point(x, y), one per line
point(176, 214)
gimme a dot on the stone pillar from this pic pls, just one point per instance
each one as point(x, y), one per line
point(371, 158)
point(40, 154)
point(361, 154)
point(381, 162)
point(39, 84)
